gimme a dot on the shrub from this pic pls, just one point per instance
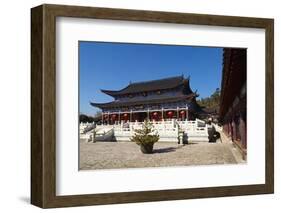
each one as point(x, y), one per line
point(145, 137)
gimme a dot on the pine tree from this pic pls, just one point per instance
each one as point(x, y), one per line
point(212, 101)
point(145, 137)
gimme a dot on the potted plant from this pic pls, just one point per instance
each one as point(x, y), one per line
point(145, 137)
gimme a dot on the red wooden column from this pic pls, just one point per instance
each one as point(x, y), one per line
point(229, 129)
point(242, 130)
point(232, 130)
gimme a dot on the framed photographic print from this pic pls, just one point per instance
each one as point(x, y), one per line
point(136, 106)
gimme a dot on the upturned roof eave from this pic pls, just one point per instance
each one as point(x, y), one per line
point(130, 103)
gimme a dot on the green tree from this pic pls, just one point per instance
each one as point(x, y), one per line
point(212, 101)
point(145, 137)
point(98, 114)
point(83, 118)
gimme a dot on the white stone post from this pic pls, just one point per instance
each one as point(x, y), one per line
point(173, 122)
point(119, 117)
point(186, 112)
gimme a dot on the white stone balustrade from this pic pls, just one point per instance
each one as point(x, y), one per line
point(168, 130)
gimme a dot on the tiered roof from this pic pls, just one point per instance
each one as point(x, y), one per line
point(148, 86)
point(165, 99)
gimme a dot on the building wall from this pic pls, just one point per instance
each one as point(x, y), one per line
point(235, 121)
point(233, 105)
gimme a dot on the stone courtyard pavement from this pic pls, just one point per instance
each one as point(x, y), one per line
point(113, 155)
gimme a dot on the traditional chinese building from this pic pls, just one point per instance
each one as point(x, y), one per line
point(169, 98)
point(233, 97)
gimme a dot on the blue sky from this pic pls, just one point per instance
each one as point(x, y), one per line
point(113, 65)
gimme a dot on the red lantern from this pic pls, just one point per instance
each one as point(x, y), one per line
point(182, 112)
point(155, 113)
point(170, 114)
point(125, 116)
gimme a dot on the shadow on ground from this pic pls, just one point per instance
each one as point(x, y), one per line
point(191, 143)
point(163, 150)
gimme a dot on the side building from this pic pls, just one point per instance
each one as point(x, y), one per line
point(163, 99)
point(233, 113)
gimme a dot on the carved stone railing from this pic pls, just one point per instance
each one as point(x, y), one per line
point(167, 130)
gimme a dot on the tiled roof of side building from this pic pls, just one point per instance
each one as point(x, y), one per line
point(145, 86)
